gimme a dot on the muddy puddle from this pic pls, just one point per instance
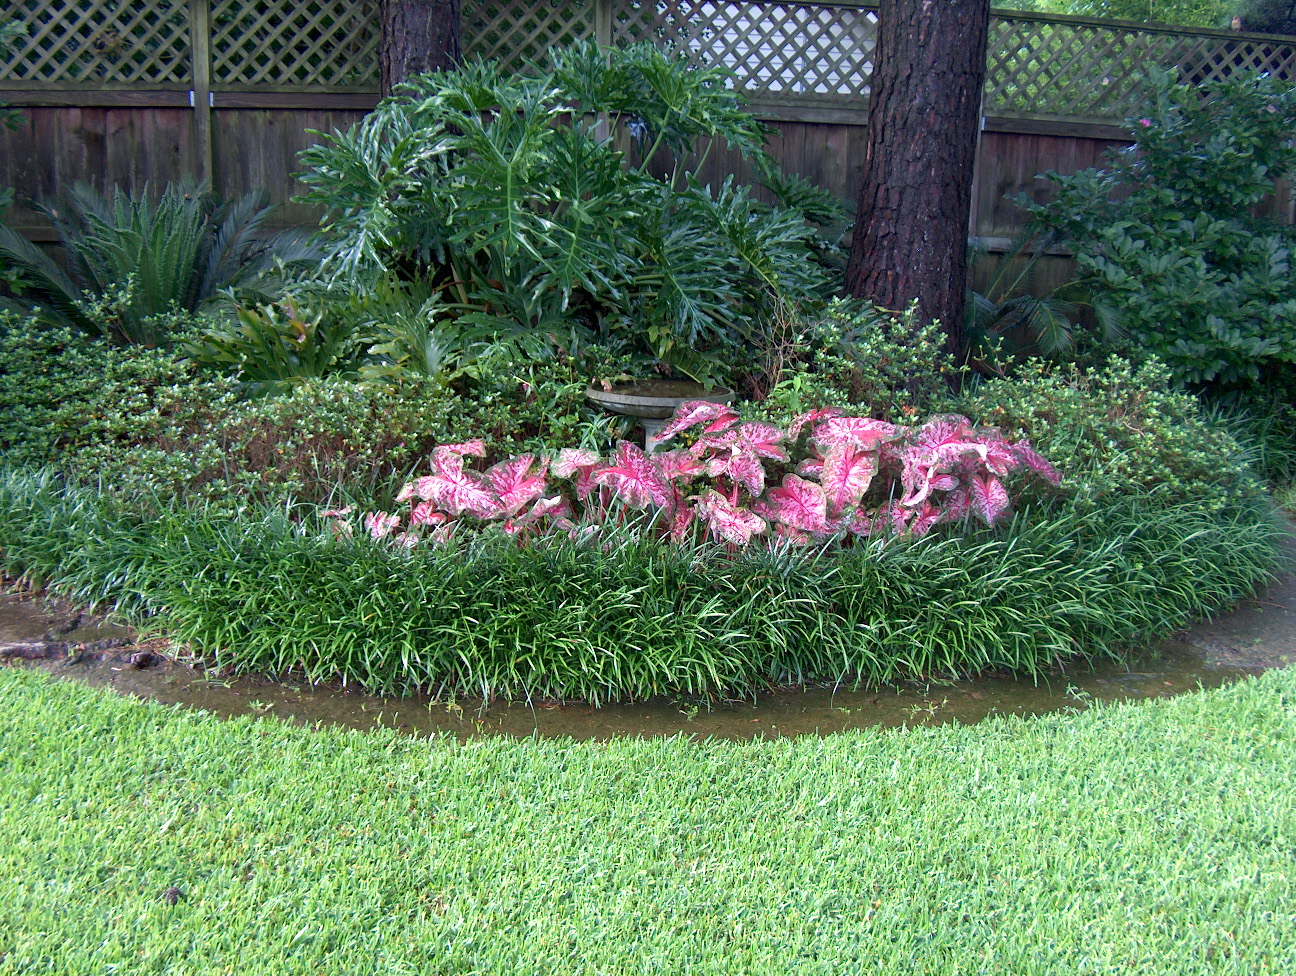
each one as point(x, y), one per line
point(1259, 635)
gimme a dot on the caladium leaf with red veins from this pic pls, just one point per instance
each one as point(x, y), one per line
point(745, 469)
point(723, 440)
point(581, 463)
point(380, 524)
point(635, 478)
point(798, 504)
point(762, 440)
point(989, 498)
point(813, 417)
point(425, 513)
point(1037, 463)
point(859, 432)
point(1000, 456)
point(810, 467)
point(727, 522)
point(791, 536)
point(517, 481)
point(456, 490)
point(407, 539)
point(846, 475)
point(681, 522)
point(570, 460)
point(945, 482)
point(557, 507)
point(924, 518)
point(678, 464)
point(715, 415)
point(476, 447)
point(958, 504)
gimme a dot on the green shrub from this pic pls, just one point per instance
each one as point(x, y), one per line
point(1166, 235)
point(147, 421)
point(1118, 430)
point(852, 354)
point(517, 197)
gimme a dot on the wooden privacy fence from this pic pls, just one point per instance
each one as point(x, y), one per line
point(150, 90)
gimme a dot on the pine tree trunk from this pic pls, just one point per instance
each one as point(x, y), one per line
point(417, 36)
point(911, 225)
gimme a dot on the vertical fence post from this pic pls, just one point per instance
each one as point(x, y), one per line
point(200, 96)
point(603, 23)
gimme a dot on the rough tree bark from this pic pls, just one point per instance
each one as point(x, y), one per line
point(911, 225)
point(417, 36)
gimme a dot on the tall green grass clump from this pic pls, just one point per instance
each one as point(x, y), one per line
point(267, 594)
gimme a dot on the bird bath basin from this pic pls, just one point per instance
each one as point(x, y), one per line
point(652, 402)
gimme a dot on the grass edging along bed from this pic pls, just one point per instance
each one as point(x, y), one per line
point(262, 593)
point(1135, 839)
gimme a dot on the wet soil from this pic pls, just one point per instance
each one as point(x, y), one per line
point(1258, 635)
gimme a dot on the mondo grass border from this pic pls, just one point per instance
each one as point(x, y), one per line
point(1142, 840)
point(267, 594)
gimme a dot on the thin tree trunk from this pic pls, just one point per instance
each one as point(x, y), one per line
point(417, 36)
point(911, 226)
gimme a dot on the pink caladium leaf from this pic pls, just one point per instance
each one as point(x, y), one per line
point(570, 460)
point(678, 465)
point(792, 537)
point(1036, 463)
point(517, 481)
point(455, 490)
point(635, 478)
point(811, 467)
point(989, 498)
point(475, 447)
point(811, 418)
point(944, 482)
point(720, 441)
point(924, 518)
point(337, 512)
point(380, 524)
point(798, 504)
point(728, 522)
point(716, 416)
point(958, 503)
point(581, 463)
point(745, 469)
point(847, 474)
point(681, 522)
point(425, 513)
point(858, 432)
point(762, 440)
point(407, 539)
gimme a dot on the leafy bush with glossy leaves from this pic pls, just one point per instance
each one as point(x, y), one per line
point(563, 206)
point(1117, 430)
point(854, 355)
point(1167, 236)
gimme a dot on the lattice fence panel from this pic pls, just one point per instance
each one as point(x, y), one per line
point(1095, 70)
point(790, 48)
point(520, 33)
point(140, 42)
point(278, 43)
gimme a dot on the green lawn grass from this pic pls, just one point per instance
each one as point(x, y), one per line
point(1155, 838)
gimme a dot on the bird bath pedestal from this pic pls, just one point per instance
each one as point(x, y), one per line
point(652, 402)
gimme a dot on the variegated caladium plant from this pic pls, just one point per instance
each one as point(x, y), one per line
point(828, 475)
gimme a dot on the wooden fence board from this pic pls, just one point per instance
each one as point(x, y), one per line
point(106, 85)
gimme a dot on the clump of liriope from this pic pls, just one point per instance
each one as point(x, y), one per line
point(1118, 430)
point(877, 363)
